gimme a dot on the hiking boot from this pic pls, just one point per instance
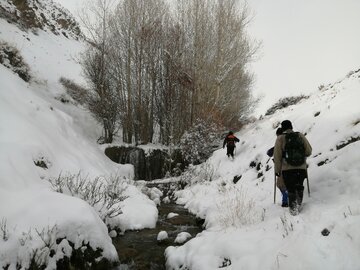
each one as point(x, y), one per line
point(284, 204)
point(294, 210)
point(293, 207)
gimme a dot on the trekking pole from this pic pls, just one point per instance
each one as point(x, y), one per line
point(274, 187)
point(307, 181)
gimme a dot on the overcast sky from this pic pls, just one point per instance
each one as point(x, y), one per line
point(305, 43)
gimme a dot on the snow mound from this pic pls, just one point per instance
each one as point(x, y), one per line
point(163, 235)
point(182, 237)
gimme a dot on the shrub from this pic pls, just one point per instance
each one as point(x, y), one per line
point(47, 248)
point(197, 174)
point(42, 162)
point(285, 102)
point(11, 58)
point(104, 195)
point(77, 92)
point(321, 87)
point(4, 232)
point(235, 209)
point(198, 143)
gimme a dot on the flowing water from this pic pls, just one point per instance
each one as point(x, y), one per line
point(140, 250)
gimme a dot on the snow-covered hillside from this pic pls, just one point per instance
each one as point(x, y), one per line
point(245, 230)
point(42, 137)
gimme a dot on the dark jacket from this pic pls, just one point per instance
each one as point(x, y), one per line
point(230, 140)
point(280, 162)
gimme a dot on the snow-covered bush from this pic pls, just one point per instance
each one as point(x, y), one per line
point(11, 58)
point(103, 194)
point(41, 14)
point(153, 193)
point(47, 248)
point(197, 174)
point(77, 92)
point(198, 143)
point(235, 209)
point(285, 102)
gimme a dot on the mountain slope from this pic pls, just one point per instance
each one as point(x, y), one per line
point(245, 230)
point(43, 136)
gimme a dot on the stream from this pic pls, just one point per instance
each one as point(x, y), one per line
point(140, 250)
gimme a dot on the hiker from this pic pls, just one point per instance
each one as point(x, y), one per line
point(290, 152)
point(230, 141)
point(279, 179)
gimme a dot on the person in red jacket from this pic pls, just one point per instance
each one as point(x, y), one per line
point(230, 141)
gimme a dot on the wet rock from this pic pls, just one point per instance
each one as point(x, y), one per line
point(325, 232)
point(155, 164)
point(236, 178)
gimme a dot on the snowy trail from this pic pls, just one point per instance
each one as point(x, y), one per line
point(267, 236)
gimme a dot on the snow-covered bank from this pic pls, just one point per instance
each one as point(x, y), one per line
point(41, 138)
point(245, 230)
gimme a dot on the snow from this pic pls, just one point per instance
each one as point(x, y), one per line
point(36, 126)
point(162, 235)
point(304, 44)
point(243, 224)
point(171, 215)
point(138, 211)
point(166, 200)
point(182, 237)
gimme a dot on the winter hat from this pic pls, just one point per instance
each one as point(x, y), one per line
point(286, 124)
point(279, 131)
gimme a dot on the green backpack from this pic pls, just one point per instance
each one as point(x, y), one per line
point(294, 153)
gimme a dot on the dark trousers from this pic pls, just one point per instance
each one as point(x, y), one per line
point(230, 150)
point(294, 182)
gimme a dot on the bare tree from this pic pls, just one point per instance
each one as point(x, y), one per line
point(137, 29)
point(102, 100)
point(160, 70)
point(218, 50)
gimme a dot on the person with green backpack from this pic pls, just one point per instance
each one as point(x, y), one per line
point(279, 181)
point(290, 152)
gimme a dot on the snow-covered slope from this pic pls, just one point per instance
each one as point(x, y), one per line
point(245, 230)
point(36, 127)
